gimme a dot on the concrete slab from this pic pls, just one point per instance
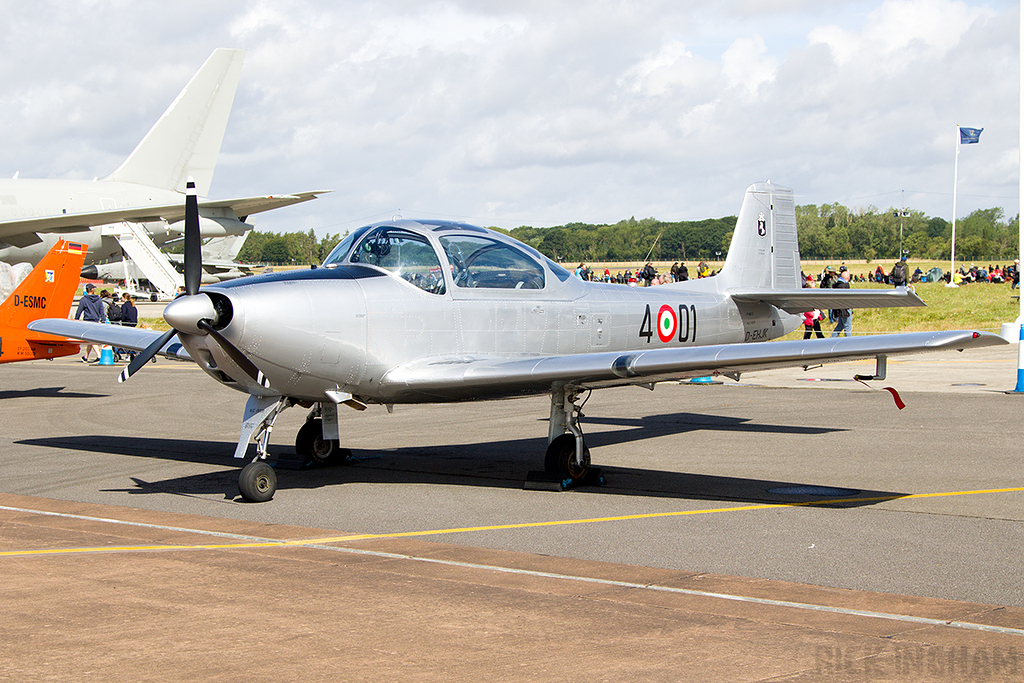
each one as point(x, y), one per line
point(724, 505)
point(288, 612)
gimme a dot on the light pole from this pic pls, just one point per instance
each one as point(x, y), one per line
point(902, 213)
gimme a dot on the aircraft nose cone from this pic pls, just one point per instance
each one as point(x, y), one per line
point(185, 312)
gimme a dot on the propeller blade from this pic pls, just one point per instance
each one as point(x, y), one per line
point(239, 359)
point(193, 241)
point(143, 357)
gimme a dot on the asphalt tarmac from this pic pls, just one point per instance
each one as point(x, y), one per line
point(802, 488)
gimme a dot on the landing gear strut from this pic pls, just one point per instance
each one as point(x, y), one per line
point(567, 453)
point(258, 482)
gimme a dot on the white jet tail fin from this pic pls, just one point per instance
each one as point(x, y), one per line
point(186, 139)
point(764, 253)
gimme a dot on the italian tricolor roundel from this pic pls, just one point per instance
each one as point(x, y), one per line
point(667, 323)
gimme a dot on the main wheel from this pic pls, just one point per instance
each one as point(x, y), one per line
point(315, 449)
point(258, 482)
point(561, 457)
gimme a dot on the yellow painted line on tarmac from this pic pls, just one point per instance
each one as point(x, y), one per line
point(495, 527)
point(648, 515)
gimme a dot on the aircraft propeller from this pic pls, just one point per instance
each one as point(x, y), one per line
point(193, 312)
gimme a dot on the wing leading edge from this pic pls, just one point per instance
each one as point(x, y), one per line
point(134, 338)
point(465, 378)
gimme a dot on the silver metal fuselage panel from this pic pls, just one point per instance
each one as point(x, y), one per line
point(345, 328)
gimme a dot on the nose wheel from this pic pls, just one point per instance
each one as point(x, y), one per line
point(258, 482)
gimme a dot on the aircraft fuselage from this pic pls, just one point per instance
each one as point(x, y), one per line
point(347, 326)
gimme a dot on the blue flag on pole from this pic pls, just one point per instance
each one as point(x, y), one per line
point(970, 136)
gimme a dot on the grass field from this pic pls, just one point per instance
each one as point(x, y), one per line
point(977, 307)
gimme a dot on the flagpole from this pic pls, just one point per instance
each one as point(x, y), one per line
point(1012, 331)
point(1020, 173)
point(952, 241)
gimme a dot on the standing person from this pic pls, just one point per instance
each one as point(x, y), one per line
point(129, 314)
point(129, 318)
point(91, 309)
point(898, 275)
point(812, 323)
point(843, 316)
point(812, 319)
point(649, 273)
point(684, 272)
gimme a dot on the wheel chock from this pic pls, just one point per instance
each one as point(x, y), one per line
point(540, 480)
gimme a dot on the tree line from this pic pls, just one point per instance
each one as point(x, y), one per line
point(827, 232)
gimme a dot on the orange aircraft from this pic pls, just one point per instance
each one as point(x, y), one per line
point(47, 292)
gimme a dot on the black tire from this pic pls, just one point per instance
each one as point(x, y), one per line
point(257, 482)
point(561, 457)
point(314, 449)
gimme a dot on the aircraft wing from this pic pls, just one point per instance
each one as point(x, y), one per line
point(448, 378)
point(134, 338)
point(800, 300)
point(171, 213)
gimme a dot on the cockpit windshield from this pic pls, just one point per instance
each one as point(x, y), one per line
point(486, 263)
point(340, 251)
point(406, 254)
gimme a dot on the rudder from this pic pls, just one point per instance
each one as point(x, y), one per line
point(47, 291)
point(764, 253)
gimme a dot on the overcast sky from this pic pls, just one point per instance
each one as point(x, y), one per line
point(534, 113)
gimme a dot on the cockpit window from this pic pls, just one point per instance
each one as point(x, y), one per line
point(405, 254)
point(340, 251)
point(489, 264)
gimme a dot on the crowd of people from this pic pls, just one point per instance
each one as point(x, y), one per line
point(647, 276)
point(993, 274)
point(105, 307)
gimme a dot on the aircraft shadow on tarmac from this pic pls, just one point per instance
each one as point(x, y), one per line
point(46, 392)
point(495, 464)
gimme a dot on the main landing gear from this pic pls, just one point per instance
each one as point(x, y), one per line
point(567, 455)
point(314, 449)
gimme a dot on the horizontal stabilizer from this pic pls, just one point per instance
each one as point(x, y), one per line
point(801, 300)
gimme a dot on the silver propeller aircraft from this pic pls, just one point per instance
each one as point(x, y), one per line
point(437, 311)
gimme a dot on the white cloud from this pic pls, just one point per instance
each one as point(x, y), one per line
point(535, 112)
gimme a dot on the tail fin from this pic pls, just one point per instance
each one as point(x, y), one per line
point(186, 140)
point(764, 253)
point(49, 289)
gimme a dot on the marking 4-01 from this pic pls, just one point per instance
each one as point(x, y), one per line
point(672, 324)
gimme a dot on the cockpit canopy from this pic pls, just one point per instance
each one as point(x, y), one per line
point(419, 253)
